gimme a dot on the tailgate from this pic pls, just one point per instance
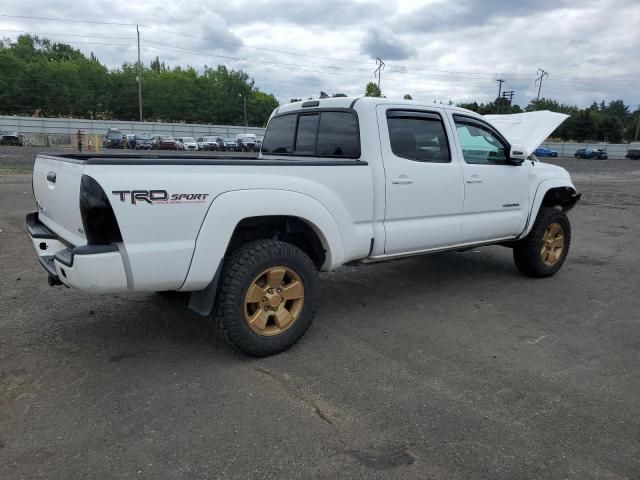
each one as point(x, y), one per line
point(56, 186)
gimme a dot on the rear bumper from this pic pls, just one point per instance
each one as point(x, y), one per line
point(93, 268)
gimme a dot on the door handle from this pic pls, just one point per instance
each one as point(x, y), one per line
point(474, 179)
point(402, 180)
point(51, 176)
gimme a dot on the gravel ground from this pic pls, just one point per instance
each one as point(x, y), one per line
point(448, 366)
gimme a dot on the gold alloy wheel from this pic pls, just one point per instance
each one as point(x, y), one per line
point(274, 301)
point(552, 244)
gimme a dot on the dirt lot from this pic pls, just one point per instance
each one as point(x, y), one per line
point(442, 367)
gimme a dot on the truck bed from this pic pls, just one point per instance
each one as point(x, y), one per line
point(196, 159)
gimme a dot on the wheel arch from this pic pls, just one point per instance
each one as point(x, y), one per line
point(245, 215)
point(551, 193)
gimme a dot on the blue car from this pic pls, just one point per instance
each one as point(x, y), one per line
point(596, 153)
point(545, 152)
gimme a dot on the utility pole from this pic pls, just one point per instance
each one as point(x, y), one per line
point(539, 80)
point(500, 82)
point(244, 101)
point(380, 64)
point(508, 95)
point(139, 75)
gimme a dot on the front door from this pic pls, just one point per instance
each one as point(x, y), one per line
point(496, 192)
point(423, 181)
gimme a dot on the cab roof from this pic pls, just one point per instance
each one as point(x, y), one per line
point(352, 102)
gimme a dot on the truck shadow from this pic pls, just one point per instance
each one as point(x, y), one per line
point(126, 327)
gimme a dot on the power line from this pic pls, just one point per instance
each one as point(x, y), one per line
point(285, 52)
point(242, 45)
point(67, 20)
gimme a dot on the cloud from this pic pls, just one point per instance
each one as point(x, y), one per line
point(382, 42)
point(433, 49)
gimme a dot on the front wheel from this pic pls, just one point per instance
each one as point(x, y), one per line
point(265, 302)
point(543, 251)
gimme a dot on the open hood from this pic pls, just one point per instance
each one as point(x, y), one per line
point(528, 129)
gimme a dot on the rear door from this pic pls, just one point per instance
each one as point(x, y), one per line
point(423, 180)
point(56, 186)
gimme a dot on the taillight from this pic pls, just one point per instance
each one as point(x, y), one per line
point(98, 220)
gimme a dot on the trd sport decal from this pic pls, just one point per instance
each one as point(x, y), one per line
point(161, 197)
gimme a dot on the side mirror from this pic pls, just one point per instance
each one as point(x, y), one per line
point(518, 154)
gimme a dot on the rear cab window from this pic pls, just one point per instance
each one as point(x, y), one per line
point(318, 133)
point(418, 136)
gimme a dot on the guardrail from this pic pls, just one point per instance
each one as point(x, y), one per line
point(567, 149)
point(50, 132)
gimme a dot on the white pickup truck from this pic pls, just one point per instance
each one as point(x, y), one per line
point(338, 180)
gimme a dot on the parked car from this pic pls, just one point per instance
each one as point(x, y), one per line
point(247, 238)
point(545, 152)
point(634, 151)
point(246, 142)
point(130, 141)
point(187, 143)
point(142, 142)
point(597, 153)
point(208, 143)
point(167, 143)
point(114, 139)
point(12, 138)
point(228, 145)
point(155, 142)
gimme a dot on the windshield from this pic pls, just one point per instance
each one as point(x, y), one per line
point(188, 139)
point(209, 139)
point(114, 135)
point(230, 140)
point(143, 137)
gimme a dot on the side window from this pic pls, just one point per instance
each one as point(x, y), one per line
point(479, 144)
point(338, 135)
point(418, 137)
point(279, 135)
point(306, 136)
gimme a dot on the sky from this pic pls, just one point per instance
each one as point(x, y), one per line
point(434, 50)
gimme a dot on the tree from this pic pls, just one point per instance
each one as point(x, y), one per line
point(408, 97)
point(584, 126)
point(372, 90)
point(610, 129)
point(40, 77)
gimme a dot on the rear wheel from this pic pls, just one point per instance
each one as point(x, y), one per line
point(543, 251)
point(266, 298)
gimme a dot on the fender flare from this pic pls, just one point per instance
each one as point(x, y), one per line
point(229, 208)
point(540, 193)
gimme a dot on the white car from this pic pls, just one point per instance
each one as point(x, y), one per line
point(187, 143)
point(208, 143)
point(338, 180)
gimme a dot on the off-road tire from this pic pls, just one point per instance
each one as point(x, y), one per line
point(240, 270)
point(527, 252)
